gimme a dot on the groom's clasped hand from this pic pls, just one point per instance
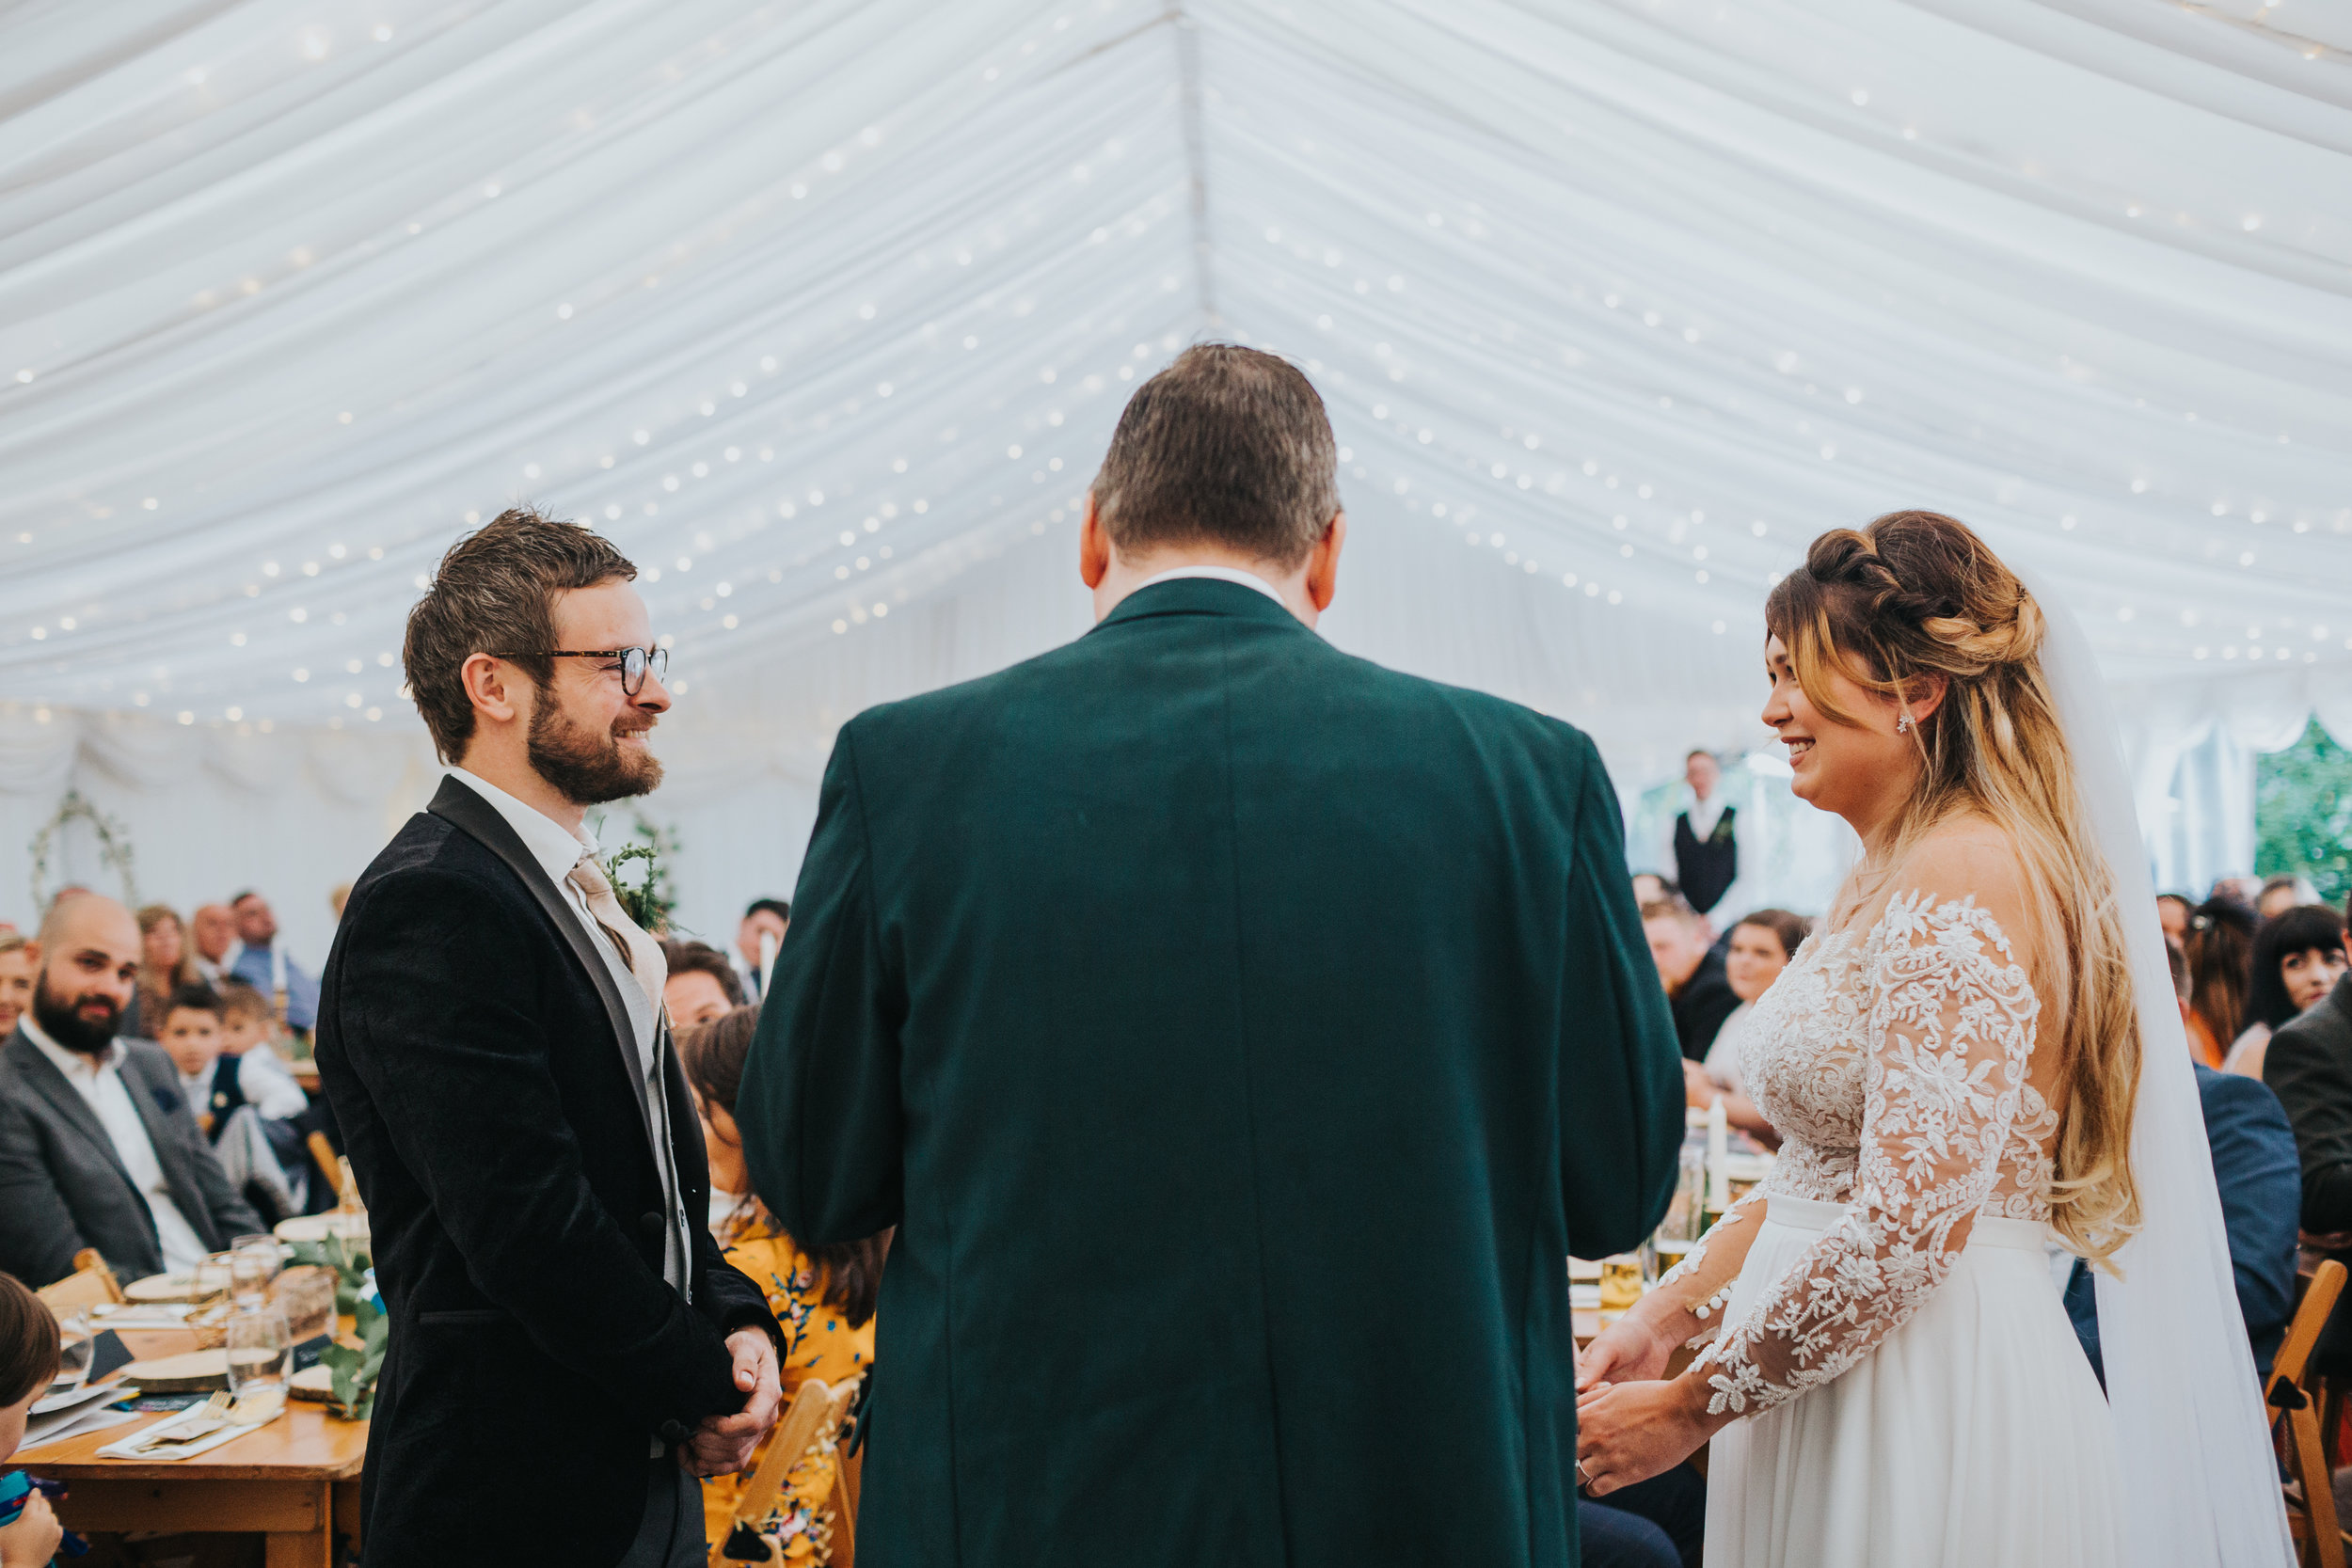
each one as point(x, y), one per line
point(1632, 1424)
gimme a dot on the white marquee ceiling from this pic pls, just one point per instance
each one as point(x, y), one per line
point(824, 310)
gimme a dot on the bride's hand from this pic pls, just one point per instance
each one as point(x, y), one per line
point(1628, 1350)
point(1634, 1430)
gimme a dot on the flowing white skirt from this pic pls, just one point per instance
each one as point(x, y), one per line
point(1973, 1436)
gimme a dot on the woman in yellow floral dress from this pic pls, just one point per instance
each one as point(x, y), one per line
point(824, 1303)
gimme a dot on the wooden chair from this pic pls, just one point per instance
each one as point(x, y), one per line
point(90, 1284)
point(2292, 1395)
point(331, 1165)
point(818, 1411)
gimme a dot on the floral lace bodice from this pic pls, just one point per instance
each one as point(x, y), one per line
point(1897, 1067)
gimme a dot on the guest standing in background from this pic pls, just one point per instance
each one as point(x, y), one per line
point(1698, 992)
point(213, 930)
point(702, 985)
point(1240, 1034)
point(1703, 841)
point(823, 1300)
point(165, 966)
point(19, 954)
point(263, 964)
point(2220, 954)
point(1758, 948)
point(767, 918)
point(2298, 958)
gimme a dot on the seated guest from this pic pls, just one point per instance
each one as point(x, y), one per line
point(1698, 992)
point(2255, 1168)
point(2220, 954)
point(1758, 948)
point(211, 1080)
point(1658, 1523)
point(28, 1364)
point(2282, 891)
point(212, 932)
point(702, 984)
point(98, 1146)
point(823, 1301)
point(2309, 1064)
point(2172, 912)
point(1649, 887)
point(248, 1025)
point(18, 956)
point(765, 918)
point(165, 967)
point(262, 963)
point(2298, 958)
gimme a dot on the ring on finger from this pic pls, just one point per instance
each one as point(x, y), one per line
point(1584, 1477)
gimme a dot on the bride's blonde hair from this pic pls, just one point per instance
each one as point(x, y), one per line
point(1915, 594)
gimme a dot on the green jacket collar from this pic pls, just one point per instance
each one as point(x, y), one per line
point(1202, 596)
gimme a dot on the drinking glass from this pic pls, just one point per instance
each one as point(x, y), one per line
point(261, 1363)
point(210, 1280)
point(253, 1263)
point(1620, 1282)
point(76, 1343)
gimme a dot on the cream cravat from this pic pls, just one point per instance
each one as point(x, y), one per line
point(639, 951)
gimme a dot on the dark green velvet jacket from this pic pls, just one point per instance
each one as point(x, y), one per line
point(1240, 1036)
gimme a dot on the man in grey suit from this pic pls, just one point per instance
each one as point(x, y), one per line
point(98, 1148)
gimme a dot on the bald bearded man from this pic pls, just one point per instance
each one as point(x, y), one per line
point(98, 1148)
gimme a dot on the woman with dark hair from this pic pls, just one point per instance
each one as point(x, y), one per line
point(2298, 958)
point(823, 1300)
point(2221, 954)
point(1758, 948)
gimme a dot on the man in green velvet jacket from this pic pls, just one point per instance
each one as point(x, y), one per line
point(1241, 1036)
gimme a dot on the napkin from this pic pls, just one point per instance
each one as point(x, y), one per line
point(156, 1442)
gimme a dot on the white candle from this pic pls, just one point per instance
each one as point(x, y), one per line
point(1718, 1152)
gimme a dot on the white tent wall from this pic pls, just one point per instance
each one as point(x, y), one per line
point(824, 313)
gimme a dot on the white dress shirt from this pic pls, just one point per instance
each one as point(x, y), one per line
point(1218, 574)
point(99, 1081)
point(269, 1085)
point(558, 849)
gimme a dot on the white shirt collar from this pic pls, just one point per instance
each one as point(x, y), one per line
point(72, 1063)
point(1220, 573)
point(556, 847)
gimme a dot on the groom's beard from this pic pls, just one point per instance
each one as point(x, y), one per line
point(587, 767)
point(82, 1024)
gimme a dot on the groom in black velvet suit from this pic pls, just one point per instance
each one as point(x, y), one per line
point(568, 1348)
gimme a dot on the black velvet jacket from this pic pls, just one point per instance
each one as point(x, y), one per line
point(482, 1065)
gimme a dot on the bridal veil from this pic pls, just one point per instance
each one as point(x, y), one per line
point(2199, 1483)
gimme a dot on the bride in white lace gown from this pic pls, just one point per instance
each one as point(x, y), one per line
point(1952, 1063)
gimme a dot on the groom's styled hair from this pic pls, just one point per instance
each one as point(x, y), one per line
point(495, 593)
point(1227, 446)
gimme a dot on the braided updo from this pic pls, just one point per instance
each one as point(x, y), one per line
point(1916, 599)
point(1915, 592)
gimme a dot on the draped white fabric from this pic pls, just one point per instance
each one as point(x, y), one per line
point(824, 313)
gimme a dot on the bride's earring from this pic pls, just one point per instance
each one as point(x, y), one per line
point(1902, 725)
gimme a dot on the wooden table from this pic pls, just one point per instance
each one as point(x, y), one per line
point(295, 1481)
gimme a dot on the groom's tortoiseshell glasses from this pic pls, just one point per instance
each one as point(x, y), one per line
point(633, 662)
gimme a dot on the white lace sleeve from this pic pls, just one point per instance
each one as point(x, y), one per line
point(1951, 1032)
